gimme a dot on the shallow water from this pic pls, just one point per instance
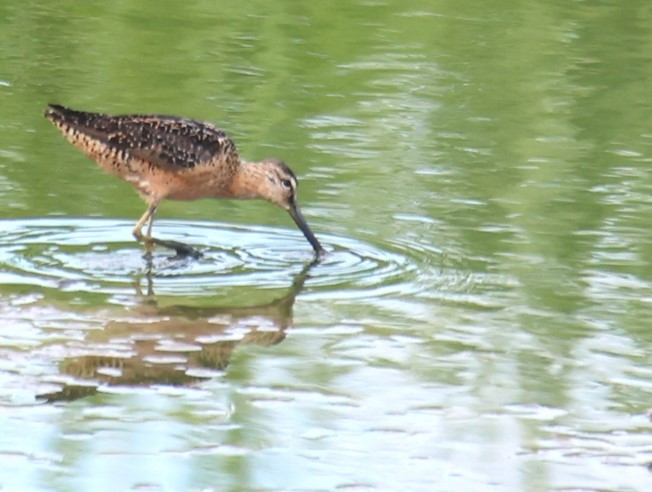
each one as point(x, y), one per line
point(479, 176)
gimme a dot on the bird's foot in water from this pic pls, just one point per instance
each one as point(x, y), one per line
point(183, 250)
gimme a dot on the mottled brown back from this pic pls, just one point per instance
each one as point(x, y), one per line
point(169, 142)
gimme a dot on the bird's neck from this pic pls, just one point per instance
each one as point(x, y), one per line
point(249, 181)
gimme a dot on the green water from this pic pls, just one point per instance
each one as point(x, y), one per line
point(479, 173)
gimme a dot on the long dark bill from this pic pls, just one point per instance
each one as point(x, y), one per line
point(295, 213)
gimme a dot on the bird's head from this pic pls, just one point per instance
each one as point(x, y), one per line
point(279, 186)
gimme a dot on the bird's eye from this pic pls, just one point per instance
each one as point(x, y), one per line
point(287, 184)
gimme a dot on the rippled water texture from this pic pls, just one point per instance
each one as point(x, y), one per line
point(98, 255)
point(479, 173)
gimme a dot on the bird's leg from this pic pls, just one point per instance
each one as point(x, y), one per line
point(149, 226)
point(148, 218)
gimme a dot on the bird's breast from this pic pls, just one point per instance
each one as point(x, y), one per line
point(194, 184)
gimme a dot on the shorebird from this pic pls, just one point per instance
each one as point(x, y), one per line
point(168, 157)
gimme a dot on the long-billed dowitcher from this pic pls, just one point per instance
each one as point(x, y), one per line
point(167, 157)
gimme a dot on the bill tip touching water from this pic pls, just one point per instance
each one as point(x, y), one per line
point(168, 157)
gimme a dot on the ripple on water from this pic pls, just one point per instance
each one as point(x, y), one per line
point(100, 255)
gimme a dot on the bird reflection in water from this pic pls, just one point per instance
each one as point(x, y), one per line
point(173, 345)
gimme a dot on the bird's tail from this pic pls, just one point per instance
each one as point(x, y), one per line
point(60, 114)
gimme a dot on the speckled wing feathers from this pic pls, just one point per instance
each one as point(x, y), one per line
point(168, 142)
